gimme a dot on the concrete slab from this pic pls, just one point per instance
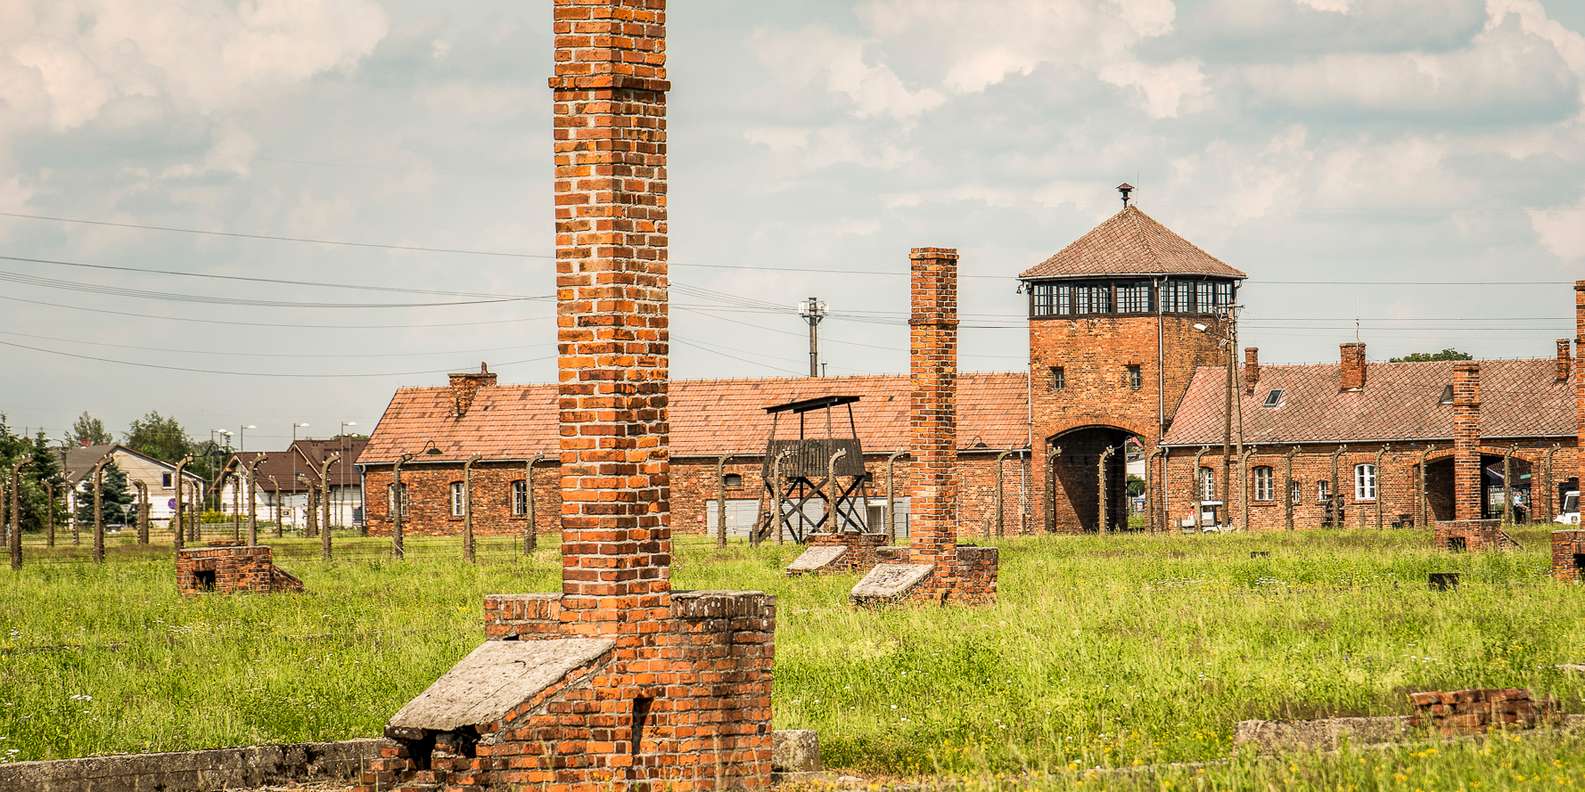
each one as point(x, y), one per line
point(492, 679)
point(816, 559)
point(888, 583)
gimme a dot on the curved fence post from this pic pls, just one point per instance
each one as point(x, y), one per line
point(467, 509)
point(891, 496)
point(324, 503)
point(530, 531)
point(176, 516)
point(1100, 490)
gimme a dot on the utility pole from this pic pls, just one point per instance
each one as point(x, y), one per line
point(813, 310)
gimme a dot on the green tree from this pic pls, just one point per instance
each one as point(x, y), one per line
point(44, 468)
point(1426, 357)
point(159, 437)
point(88, 430)
point(117, 498)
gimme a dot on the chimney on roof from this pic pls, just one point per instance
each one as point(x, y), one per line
point(1562, 360)
point(1351, 366)
point(1251, 368)
point(1125, 188)
point(465, 387)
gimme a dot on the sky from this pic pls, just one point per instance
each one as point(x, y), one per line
point(1415, 166)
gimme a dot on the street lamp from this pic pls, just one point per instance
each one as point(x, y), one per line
point(292, 452)
point(242, 436)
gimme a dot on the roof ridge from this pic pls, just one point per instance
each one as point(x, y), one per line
point(1155, 258)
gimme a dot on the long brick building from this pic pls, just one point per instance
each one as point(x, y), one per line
point(1128, 343)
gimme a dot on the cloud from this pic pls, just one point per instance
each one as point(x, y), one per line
point(812, 55)
point(1560, 231)
point(813, 148)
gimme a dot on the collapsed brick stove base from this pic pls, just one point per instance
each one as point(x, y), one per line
point(1477, 710)
point(1470, 535)
point(831, 553)
point(691, 711)
point(231, 568)
point(1568, 555)
point(971, 581)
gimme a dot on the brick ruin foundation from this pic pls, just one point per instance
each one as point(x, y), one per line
point(617, 682)
point(1458, 536)
point(1568, 555)
point(230, 569)
point(938, 569)
point(1453, 712)
point(838, 552)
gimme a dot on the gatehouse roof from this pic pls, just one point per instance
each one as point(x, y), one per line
point(1130, 243)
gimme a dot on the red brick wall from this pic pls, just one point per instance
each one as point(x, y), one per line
point(236, 569)
point(1567, 544)
point(429, 499)
point(1095, 354)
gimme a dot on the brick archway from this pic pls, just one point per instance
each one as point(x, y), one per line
point(1439, 481)
point(1072, 483)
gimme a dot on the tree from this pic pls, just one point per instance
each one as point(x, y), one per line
point(1426, 357)
point(45, 467)
point(117, 499)
point(159, 437)
point(88, 430)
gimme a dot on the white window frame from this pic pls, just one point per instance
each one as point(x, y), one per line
point(390, 498)
point(1263, 483)
point(1365, 481)
point(1207, 484)
point(1323, 490)
point(1295, 492)
point(459, 500)
point(519, 497)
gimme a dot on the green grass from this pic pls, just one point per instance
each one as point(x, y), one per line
point(1101, 652)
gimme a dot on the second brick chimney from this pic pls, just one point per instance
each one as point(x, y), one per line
point(1563, 360)
point(465, 387)
point(1251, 368)
point(1351, 366)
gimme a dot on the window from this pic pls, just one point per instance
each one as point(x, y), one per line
point(1059, 378)
point(1295, 493)
point(459, 503)
point(1365, 482)
point(1052, 299)
point(390, 499)
point(1447, 394)
point(732, 480)
point(1207, 484)
point(1263, 489)
point(1133, 297)
point(1323, 490)
point(520, 498)
point(1273, 398)
point(1136, 379)
point(165, 480)
point(1204, 298)
point(1224, 294)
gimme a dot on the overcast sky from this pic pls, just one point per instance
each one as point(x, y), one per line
point(1340, 141)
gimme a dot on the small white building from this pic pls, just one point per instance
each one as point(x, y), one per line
point(285, 478)
point(158, 476)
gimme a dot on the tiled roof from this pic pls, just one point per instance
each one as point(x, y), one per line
point(303, 459)
point(708, 417)
point(1130, 243)
point(1400, 402)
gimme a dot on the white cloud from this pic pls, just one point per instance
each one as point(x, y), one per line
point(1329, 6)
point(813, 148)
point(812, 55)
point(1167, 87)
point(1560, 231)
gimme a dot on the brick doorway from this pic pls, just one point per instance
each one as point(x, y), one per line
point(1073, 481)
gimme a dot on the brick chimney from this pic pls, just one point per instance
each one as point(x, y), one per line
point(465, 387)
point(1563, 360)
point(1251, 369)
point(609, 95)
point(933, 371)
point(1351, 367)
point(1579, 371)
point(1466, 440)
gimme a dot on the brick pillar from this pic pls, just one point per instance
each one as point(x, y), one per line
point(1563, 360)
point(1466, 441)
point(1351, 366)
point(1579, 376)
point(933, 372)
point(611, 278)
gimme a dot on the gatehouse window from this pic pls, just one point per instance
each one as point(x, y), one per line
point(1133, 298)
point(458, 502)
point(1263, 489)
point(1130, 297)
point(1136, 378)
point(1059, 378)
point(520, 498)
point(1364, 482)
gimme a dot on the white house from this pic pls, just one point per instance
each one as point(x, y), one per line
point(159, 477)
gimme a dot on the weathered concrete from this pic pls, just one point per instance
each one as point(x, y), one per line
point(795, 751)
point(194, 771)
point(493, 679)
point(1323, 734)
point(816, 559)
point(888, 583)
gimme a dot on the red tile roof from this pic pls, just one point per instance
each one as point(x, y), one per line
point(1400, 402)
point(1130, 243)
point(708, 417)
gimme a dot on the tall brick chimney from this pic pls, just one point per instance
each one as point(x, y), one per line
point(1579, 372)
point(1251, 369)
point(933, 372)
point(1563, 360)
point(1351, 366)
point(465, 387)
point(1466, 440)
point(611, 314)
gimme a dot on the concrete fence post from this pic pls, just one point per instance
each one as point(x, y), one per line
point(142, 515)
point(1287, 488)
point(176, 515)
point(1199, 489)
point(1551, 485)
point(1001, 498)
point(1507, 484)
point(1243, 488)
point(530, 531)
point(49, 514)
point(891, 496)
point(398, 501)
point(1381, 489)
point(324, 503)
point(468, 550)
point(1151, 505)
point(1103, 514)
point(1051, 488)
point(830, 491)
point(275, 505)
point(99, 509)
point(1334, 504)
point(253, 499)
point(14, 535)
point(720, 500)
point(236, 499)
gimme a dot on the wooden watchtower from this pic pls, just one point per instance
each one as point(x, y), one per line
point(814, 482)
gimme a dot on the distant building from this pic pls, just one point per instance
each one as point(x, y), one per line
point(157, 475)
point(285, 477)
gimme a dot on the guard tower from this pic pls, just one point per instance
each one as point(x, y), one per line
point(1118, 322)
point(814, 482)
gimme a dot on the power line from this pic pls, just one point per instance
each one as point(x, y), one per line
point(301, 325)
point(295, 355)
point(272, 374)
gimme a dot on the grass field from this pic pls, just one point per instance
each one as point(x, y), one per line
point(1105, 652)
